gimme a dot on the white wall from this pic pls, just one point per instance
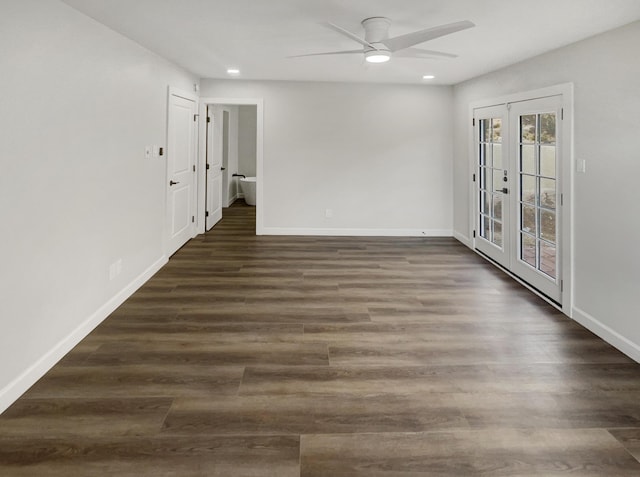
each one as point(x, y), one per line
point(605, 71)
point(247, 124)
point(79, 104)
point(378, 156)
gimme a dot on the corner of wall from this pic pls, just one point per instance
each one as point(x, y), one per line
point(463, 239)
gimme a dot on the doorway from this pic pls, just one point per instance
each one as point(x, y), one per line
point(521, 178)
point(222, 156)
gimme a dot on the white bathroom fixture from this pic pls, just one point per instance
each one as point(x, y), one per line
point(248, 188)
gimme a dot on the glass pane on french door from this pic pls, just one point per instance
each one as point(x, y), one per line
point(537, 191)
point(492, 215)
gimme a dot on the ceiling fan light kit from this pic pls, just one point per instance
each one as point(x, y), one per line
point(378, 47)
point(377, 56)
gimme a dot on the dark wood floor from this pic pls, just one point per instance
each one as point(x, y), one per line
point(317, 356)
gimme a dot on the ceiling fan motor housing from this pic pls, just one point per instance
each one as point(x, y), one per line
point(376, 30)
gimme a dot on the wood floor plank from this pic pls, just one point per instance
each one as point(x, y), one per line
point(488, 379)
point(276, 313)
point(125, 381)
point(162, 353)
point(29, 418)
point(549, 410)
point(245, 456)
point(199, 332)
point(269, 415)
point(412, 353)
point(508, 452)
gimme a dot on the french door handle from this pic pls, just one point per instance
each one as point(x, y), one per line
point(173, 183)
point(504, 190)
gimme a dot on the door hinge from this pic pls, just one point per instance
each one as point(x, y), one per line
point(561, 113)
point(561, 286)
point(474, 178)
point(195, 117)
point(206, 214)
point(208, 119)
point(473, 122)
point(474, 234)
point(194, 168)
point(208, 167)
point(561, 200)
point(193, 219)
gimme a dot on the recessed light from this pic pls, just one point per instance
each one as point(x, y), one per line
point(233, 71)
point(428, 77)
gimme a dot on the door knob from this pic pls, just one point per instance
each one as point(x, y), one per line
point(223, 168)
point(173, 183)
point(504, 190)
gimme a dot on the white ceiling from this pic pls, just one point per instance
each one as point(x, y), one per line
point(208, 36)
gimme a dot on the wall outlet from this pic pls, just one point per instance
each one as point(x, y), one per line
point(328, 213)
point(148, 151)
point(115, 269)
point(581, 165)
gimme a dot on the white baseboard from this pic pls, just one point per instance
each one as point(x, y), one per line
point(463, 239)
point(231, 201)
point(357, 232)
point(612, 337)
point(12, 391)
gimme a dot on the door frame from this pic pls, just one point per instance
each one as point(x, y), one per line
point(173, 91)
point(566, 90)
point(202, 157)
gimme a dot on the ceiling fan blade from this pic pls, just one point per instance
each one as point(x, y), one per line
point(348, 34)
point(419, 53)
point(344, 52)
point(410, 39)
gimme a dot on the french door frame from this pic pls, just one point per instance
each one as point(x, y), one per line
point(566, 183)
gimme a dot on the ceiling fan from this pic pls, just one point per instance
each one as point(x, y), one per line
point(378, 47)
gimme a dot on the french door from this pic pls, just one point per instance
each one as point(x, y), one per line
point(519, 207)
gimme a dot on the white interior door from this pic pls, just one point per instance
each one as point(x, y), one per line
point(181, 159)
point(214, 167)
point(492, 183)
point(518, 158)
